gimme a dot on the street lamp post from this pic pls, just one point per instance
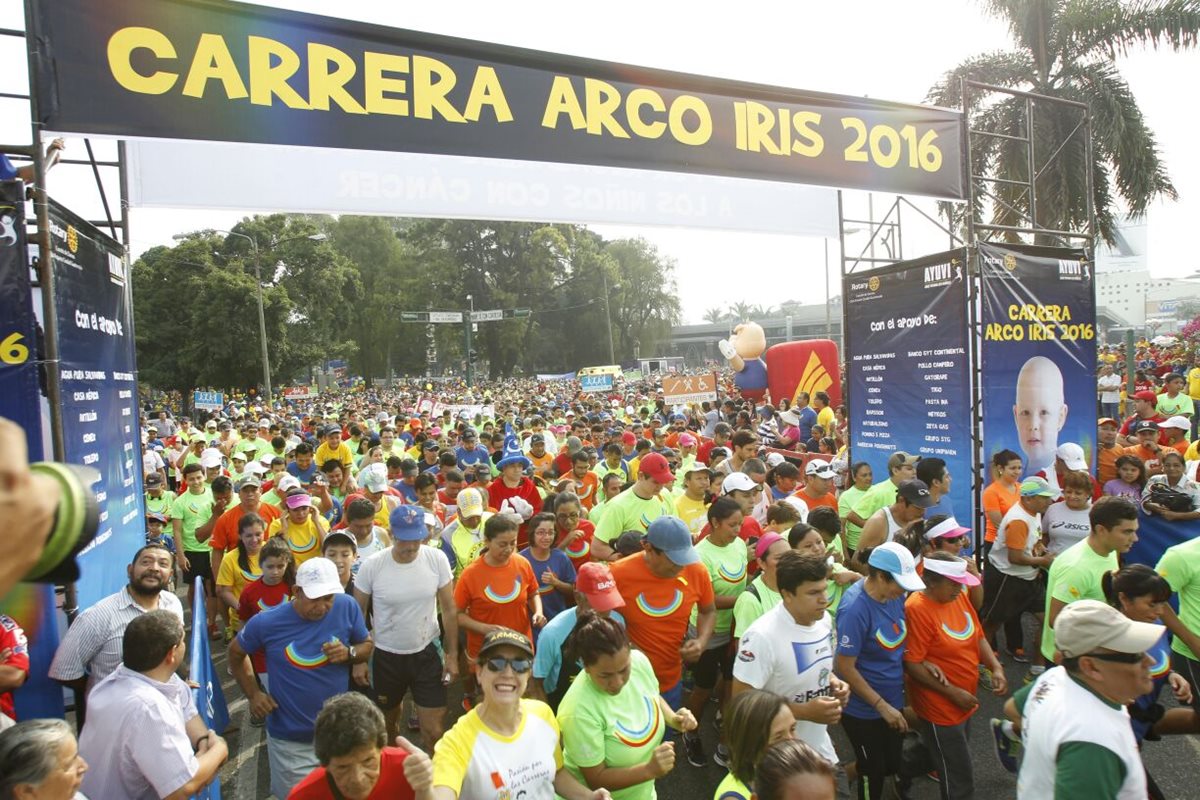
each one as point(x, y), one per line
point(467, 355)
point(262, 319)
point(612, 359)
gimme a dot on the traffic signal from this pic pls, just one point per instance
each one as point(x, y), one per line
point(472, 355)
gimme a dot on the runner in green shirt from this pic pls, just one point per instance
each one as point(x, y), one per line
point(1077, 571)
point(763, 593)
point(636, 507)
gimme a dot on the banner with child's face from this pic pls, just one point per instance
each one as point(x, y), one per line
point(1038, 352)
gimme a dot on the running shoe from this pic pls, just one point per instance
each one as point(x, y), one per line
point(1033, 674)
point(1019, 656)
point(1008, 745)
point(722, 756)
point(693, 748)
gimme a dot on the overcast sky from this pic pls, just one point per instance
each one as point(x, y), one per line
point(883, 49)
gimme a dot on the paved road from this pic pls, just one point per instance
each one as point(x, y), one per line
point(1174, 762)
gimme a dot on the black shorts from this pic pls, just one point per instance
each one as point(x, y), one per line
point(1006, 597)
point(201, 567)
point(393, 675)
point(1190, 670)
point(712, 662)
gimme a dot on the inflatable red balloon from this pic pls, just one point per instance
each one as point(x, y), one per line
point(810, 366)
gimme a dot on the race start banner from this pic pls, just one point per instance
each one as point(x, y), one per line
point(1038, 324)
point(31, 606)
point(596, 383)
point(98, 370)
point(908, 368)
point(236, 72)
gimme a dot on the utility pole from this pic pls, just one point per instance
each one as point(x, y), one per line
point(612, 359)
point(468, 353)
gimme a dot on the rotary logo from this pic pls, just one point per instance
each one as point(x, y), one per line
point(873, 283)
point(1010, 262)
point(72, 239)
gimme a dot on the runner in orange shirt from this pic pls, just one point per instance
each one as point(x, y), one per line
point(660, 586)
point(225, 531)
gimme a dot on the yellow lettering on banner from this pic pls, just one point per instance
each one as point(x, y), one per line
point(995, 332)
point(271, 64)
point(432, 81)
point(809, 142)
point(634, 103)
point(377, 86)
point(487, 91)
point(120, 50)
point(1035, 313)
point(601, 100)
point(563, 100)
point(703, 129)
point(739, 124)
point(326, 85)
point(759, 124)
point(212, 61)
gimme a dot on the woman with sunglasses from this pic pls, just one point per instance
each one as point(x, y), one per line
point(943, 534)
point(613, 718)
point(505, 746)
point(944, 649)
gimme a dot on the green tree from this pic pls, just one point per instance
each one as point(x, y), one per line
point(1067, 49)
point(646, 306)
point(713, 315)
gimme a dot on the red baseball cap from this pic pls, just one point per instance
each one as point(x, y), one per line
point(655, 467)
point(1148, 396)
point(595, 582)
point(628, 438)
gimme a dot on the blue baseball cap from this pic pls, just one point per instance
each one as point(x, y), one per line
point(671, 535)
point(895, 559)
point(408, 524)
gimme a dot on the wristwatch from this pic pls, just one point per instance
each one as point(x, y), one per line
point(352, 651)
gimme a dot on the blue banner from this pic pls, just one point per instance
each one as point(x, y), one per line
point(1038, 324)
point(908, 368)
point(209, 697)
point(31, 605)
point(596, 383)
point(98, 369)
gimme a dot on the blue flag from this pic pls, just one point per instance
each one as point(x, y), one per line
point(210, 699)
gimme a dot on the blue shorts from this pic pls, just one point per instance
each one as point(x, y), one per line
point(674, 698)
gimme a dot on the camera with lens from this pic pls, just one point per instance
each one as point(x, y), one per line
point(76, 521)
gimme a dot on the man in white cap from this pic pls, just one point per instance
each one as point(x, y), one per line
point(313, 646)
point(818, 485)
point(1068, 457)
point(1075, 730)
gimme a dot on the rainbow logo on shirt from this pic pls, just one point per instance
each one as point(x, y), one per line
point(300, 548)
point(967, 632)
point(262, 604)
point(250, 576)
point(731, 577)
point(644, 735)
point(1162, 663)
point(578, 548)
point(899, 634)
point(297, 659)
point(660, 611)
point(496, 597)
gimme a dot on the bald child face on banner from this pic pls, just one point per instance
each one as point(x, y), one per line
point(1040, 411)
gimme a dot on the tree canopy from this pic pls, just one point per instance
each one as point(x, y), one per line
point(335, 288)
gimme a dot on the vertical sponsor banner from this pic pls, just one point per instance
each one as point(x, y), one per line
point(99, 392)
point(1038, 322)
point(208, 694)
point(908, 367)
point(31, 605)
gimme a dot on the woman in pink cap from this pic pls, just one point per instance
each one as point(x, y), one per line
point(945, 647)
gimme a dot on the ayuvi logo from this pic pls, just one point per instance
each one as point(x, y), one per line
point(1073, 270)
point(943, 274)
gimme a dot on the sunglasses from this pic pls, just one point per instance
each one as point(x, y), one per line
point(1118, 658)
point(955, 539)
point(498, 663)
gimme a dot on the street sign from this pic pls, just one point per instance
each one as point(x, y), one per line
point(681, 390)
point(208, 401)
point(596, 383)
point(487, 316)
point(519, 313)
point(413, 316)
point(445, 316)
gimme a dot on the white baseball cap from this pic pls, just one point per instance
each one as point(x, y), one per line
point(820, 468)
point(737, 482)
point(318, 577)
point(1072, 456)
point(210, 458)
point(895, 559)
point(1180, 422)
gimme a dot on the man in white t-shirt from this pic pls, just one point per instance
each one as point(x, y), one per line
point(404, 586)
point(1108, 387)
point(789, 651)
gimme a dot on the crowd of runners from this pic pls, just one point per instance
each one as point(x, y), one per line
point(597, 575)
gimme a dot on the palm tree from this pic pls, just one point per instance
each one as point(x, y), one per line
point(740, 312)
point(714, 315)
point(1067, 49)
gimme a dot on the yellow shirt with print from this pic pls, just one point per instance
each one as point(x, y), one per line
point(232, 575)
point(342, 453)
point(303, 539)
